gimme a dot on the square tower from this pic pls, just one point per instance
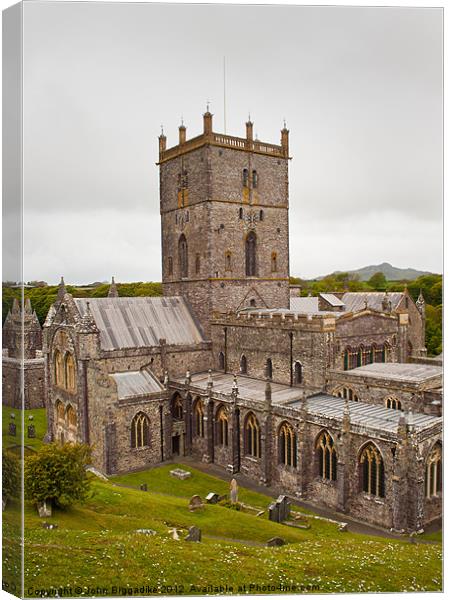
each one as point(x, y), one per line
point(224, 218)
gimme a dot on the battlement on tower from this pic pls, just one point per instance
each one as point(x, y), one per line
point(209, 137)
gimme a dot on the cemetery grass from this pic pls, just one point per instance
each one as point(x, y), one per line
point(96, 545)
point(14, 442)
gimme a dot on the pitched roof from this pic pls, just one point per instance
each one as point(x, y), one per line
point(141, 322)
point(307, 304)
point(332, 300)
point(135, 383)
point(353, 302)
point(409, 372)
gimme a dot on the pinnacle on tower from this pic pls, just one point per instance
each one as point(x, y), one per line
point(61, 290)
point(88, 324)
point(113, 291)
point(268, 393)
point(28, 309)
point(15, 306)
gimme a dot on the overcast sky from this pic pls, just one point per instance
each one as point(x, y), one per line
point(360, 88)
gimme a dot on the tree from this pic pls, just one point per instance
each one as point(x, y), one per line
point(378, 281)
point(10, 475)
point(57, 474)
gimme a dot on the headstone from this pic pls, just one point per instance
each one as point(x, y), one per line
point(12, 429)
point(144, 487)
point(284, 508)
point(234, 491)
point(44, 509)
point(146, 531)
point(174, 533)
point(273, 512)
point(212, 498)
point(31, 431)
point(180, 474)
point(276, 541)
point(46, 525)
point(195, 503)
point(343, 527)
point(194, 534)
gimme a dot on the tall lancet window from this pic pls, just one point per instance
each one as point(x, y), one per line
point(251, 241)
point(183, 257)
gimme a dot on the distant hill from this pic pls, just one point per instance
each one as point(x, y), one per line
point(390, 272)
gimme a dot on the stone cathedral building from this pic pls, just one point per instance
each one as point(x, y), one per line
point(324, 398)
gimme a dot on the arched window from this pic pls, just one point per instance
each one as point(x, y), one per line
point(221, 361)
point(240, 213)
point(351, 358)
point(183, 256)
point(222, 427)
point(177, 408)
point(59, 369)
point(245, 178)
point(372, 467)
point(197, 264)
point(69, 370)
point(274, 262)
point(392, 402)
point(255, 179)
point(252, 436)
point(199, 418)
point(347, 393)
point(60, 413)
point(432, 479)
point(250, 254)
point(252, 302)
point(297, 373)
point(269, 368)
point(243, 365)
point(327, 457)
point(287, 445)
point(261, 215)
point(140, 431)
point(228, 261)
point(366, 355)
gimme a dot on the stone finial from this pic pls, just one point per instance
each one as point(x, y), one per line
point(15, 309)
point(421, 303)
point(188, 378)
point(235, 387)
point(113, 291)
point(182, 132)
point(249, 130)
point(61, 289)
point(402, 425)
point(386, 303)
point(28, 309)
point(166, 379)
point(210, 382)
point(87, 323)
point(162, 141)
point(284, 139)
point(304, 406)
point(207, 121)
point(346, 416)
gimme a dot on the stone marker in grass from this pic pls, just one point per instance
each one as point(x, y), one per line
point(180, 474)
point(234, 491)
point(194, 534)
point(212, 498)
point(44, 509)
point(195, 503)
point(276, 541)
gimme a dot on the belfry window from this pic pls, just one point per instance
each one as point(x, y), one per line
point(255, 179)
point(245, 178)
point(250, 254)
point(140, 431)
point(252, 436)
point(287, 445)
point(327, 457)
point(297, 373)
point(183, 256)
point(432, 479)
point(372, 467)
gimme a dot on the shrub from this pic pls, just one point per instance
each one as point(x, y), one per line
point(57, 474)
point(10, 475)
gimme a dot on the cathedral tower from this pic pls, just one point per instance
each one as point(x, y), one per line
point(224, 217)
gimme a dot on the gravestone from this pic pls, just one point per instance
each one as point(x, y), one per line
point(194, 534)
point(144, 487)
point(273, 512)
point(276, 541)
point(195, 503)
point(212, 498)
point(44, 509)
point(31, 431)
point(174, 533)
point(343, 527)
point(46, 525)
point(284, 508)
point(12, 429)
point(234, 491)
point(180, 474)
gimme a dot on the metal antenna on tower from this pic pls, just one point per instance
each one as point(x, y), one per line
point(224, 92)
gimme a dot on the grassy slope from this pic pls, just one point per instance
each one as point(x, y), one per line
point(39, 421)
point(96, 544)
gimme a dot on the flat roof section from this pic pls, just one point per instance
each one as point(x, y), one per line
point(406, 372)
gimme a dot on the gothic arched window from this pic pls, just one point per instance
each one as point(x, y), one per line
point(432, 479)
point(199, 418)
point(287, 445)
point(221, 361)
point(177, 408)
point(250, 254)
point(255, 179)
point(183, 256)
point(140, 431)
point(392, 402)
point(252, 436)
point(269, 368)
point(243, 365)
point(69, 371)
point(222, 427)
point(245, 177)
point(59, 369)
point(261, 215)
point(372, 466)
point(60, 412)
point(327, 457)
point(297, 372)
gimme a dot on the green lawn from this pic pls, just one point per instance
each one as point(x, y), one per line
point(96, 544)
point(39, 421)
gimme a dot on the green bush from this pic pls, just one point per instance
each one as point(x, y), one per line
point(57, 474)
point(10, 475)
